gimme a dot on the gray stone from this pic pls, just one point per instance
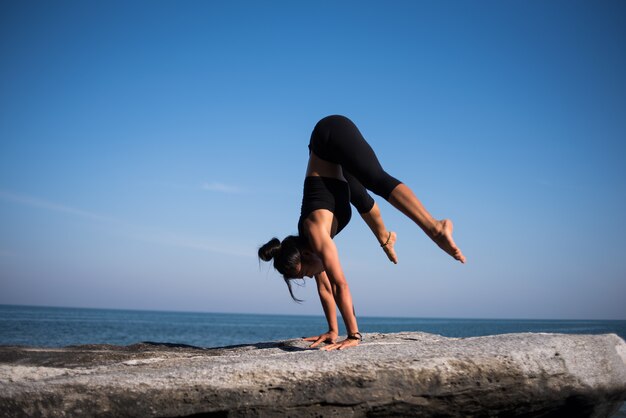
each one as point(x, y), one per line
point(403, 374)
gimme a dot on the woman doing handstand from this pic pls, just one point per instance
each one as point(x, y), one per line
point(342, 165)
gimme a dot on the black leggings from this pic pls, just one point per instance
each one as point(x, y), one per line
point(338, 140)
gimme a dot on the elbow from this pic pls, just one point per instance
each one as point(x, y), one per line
point(342, 286)
point(325, 293)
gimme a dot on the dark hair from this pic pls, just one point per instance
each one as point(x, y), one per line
point(287, 257)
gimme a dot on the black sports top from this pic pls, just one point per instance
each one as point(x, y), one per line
point(326, 193)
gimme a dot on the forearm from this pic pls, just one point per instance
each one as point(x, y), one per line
point(328, 304)
point(344, 303)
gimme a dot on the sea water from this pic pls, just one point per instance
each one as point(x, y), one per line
point(59, 327)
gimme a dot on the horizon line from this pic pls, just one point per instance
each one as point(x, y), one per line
point(304, 315)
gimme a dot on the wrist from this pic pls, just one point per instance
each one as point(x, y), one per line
point(355, 336)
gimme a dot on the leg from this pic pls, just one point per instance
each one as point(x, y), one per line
point(370, 212)
point(341, 142)
point(337, 140)
point(387, 239)
point(403, 199)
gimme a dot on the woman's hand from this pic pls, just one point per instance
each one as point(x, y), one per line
point(348, 342)
point(329, 337)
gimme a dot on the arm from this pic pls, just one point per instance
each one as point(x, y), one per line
point(325, 291)
point(323, 245)
point(374, 220)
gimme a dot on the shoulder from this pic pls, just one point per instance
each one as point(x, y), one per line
point(317, 225)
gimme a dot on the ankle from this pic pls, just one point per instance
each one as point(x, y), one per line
point(436, 229)
point(385, 239)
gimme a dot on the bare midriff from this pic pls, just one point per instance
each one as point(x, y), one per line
point(322, 168)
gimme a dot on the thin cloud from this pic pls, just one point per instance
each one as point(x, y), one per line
point(165, 238)
point(128, 230)
point(206, 186)
point(46, 204)
point(220, 187)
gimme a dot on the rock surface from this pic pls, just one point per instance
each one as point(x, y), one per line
point(403, 374)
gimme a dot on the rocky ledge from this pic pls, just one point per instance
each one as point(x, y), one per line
point(404, 374)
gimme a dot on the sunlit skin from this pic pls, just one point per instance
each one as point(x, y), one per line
point(322, 260)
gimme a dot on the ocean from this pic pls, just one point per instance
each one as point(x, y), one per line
point(59, 327)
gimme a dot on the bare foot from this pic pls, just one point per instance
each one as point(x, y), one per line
point(444, 240)
point(389, 250)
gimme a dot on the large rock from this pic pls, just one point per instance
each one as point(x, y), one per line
point(406, 374)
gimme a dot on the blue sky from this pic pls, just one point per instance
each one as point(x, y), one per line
point(148, 148)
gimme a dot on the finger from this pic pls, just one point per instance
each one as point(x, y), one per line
point(316, 343)
point(334, 347)
point(313, 338)
point(349, 343)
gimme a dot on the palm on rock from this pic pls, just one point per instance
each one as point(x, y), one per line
point(328, 338)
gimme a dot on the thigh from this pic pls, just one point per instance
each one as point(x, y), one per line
point(350, 149)
point(359, 197)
